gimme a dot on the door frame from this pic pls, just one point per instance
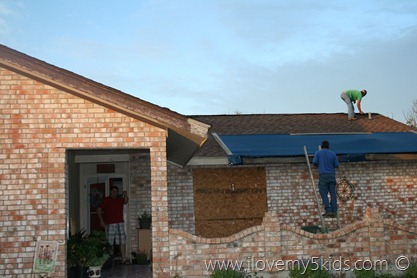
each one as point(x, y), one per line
point(84, 209)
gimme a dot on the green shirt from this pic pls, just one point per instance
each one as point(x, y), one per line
point(354, 94)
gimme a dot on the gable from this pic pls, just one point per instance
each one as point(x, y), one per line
point(182, 132)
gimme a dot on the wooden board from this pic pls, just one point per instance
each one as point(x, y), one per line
point(228, 200)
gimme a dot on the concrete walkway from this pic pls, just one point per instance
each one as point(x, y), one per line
point(127, 271)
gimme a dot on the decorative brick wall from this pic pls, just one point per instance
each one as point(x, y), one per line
point(389, 186)
point(38, 123)
point(260, 247)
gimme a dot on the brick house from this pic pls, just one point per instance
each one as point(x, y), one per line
point(60, 131)
point(65, 136)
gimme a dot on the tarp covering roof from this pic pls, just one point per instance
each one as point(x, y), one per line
point(287, 145)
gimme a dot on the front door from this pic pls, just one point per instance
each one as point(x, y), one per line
point(96, 195)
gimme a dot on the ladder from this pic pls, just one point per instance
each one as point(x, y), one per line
point(317, 198)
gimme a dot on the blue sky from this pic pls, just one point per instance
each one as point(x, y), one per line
point(226, 57)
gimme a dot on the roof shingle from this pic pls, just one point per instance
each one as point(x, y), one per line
point(290, 124)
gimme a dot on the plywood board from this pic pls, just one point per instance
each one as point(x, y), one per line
point(228, 200)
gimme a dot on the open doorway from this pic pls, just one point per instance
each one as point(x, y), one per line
point(91, 173)
point(98, 187)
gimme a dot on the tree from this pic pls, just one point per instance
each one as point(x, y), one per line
point(411, 116)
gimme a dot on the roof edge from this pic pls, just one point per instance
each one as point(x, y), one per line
point(102, 94)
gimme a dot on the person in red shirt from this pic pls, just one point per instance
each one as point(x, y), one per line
point(112, 209)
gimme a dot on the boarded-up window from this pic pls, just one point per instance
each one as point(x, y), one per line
point(228, 200)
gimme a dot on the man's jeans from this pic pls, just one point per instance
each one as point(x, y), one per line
point(327, 184)
point(349, 103)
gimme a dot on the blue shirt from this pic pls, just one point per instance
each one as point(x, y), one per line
point(326, 160)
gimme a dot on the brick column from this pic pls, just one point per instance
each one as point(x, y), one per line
point(159, 195)
point(377, 249)
point(272, 240)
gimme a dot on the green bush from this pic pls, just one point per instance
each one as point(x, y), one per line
point(229, 273)
point(411, 272)
point(310, 272)
point(145, 220)
point(87, 250)
point(364, 273)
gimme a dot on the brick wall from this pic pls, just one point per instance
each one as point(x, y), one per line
point(180, 199)
point(373, 238)
point(180, 195)
point(37, 124)
point(159, 196)
point(140, 192)
point(389, 186)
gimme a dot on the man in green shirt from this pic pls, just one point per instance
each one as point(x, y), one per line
point(350, 97)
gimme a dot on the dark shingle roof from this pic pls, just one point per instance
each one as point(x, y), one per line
point(290, 123)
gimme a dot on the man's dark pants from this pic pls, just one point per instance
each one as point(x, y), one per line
point(327, 184)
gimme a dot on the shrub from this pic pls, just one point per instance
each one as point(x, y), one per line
point(364, 273)
point(145, 220)
point(310, 272)
point(411, 272)
point(87, 250)
point(229, 273)
point(370, 273)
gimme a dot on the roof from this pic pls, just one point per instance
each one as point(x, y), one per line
point(280, 124)
point(180, 129)
point(349, 147)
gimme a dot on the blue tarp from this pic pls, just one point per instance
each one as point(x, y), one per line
point(286, 145)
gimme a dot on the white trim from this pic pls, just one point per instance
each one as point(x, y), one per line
point(222, 144)
point(175, 164)
point(201, 161)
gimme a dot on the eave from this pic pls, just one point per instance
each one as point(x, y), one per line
point(182, 133)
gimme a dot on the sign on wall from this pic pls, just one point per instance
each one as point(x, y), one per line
point(45, 256)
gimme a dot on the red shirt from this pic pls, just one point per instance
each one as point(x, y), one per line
point(113, 210)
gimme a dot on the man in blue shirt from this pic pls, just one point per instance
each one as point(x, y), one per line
point(327, 162)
